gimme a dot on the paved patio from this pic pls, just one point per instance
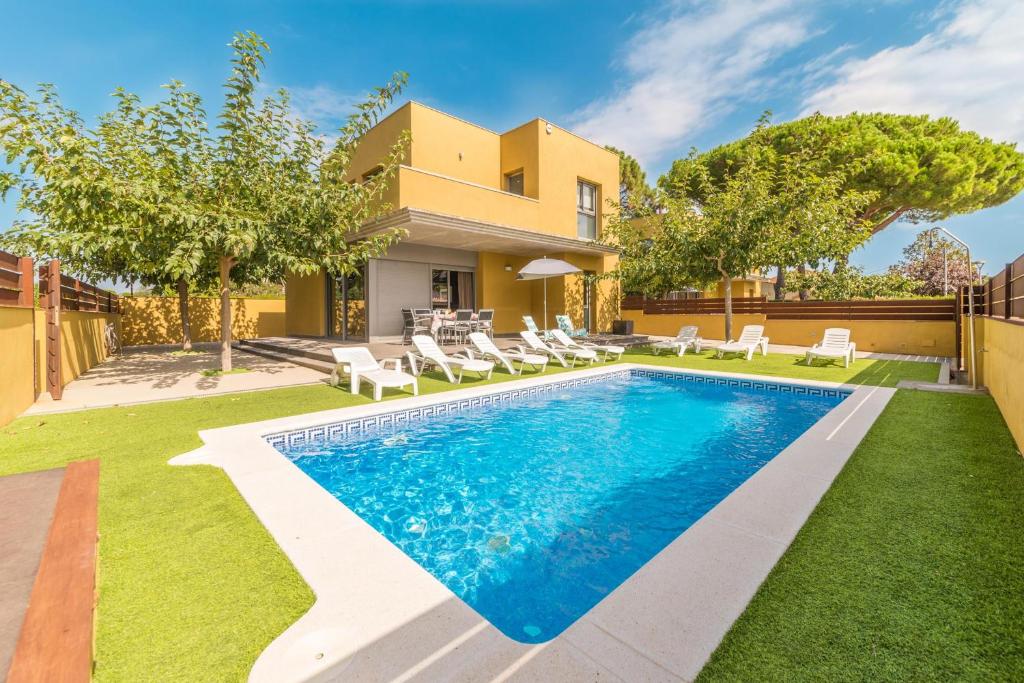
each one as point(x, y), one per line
point(147, 375)
point(25, 515)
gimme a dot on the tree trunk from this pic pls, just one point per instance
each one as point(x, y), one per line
point(186, 323)
point(226, 262)
point(727, 286)
point(780, 284)
point(805, 294)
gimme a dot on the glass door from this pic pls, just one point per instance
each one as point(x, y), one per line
point(346, 306)
point(589, 301)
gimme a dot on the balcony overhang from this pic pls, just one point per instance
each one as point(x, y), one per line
point(442, 230)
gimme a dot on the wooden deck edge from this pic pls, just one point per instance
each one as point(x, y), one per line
point(56, 639)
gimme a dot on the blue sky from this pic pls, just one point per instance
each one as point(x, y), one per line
point(654, 78)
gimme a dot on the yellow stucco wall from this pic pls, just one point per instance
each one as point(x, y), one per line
point(155, 320)
point(17, 389)
point(444, 145)
point(925, 338)
point(83, 341)
point(22, 342)
point(1001, 369)
point(305, 301)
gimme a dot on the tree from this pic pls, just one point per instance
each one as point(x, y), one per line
point(264, 196)
point(635, 195)
point(937, 264)
point(847, 282)
point(765, 209)
point(917, 168)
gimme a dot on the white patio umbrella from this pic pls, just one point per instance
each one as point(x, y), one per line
point(542, 269)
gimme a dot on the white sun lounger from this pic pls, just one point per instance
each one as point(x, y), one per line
point(686, 339)
point(559, 354)
point(751, 339)
point(360, 364)
point(429, 353)
point(484, 347)
point(835, 344)
point(564, 341)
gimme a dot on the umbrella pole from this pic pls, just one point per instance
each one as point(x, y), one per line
point(545, 306)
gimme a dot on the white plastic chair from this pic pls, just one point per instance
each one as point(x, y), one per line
point(750, 340)
point(687, 338)
point(564, 341)
point(485, 348)
point(835, 344)
point(360, 364)
point(429, 353)
point(559, 354)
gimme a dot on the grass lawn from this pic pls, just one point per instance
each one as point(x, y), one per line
point(910, 568)
point(193, 588)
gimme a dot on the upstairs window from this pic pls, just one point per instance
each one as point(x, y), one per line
point(514, 183)
point(586, 210)
point(369, 175)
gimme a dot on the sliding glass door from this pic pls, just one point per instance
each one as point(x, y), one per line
point(346, 306)
point(451, 289)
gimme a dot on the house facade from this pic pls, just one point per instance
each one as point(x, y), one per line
point(477, 206)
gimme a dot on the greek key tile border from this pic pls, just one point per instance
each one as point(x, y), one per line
point(338, 430)
point(756, 385)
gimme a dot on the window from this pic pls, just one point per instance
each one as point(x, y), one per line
point(514, 183)
point(586, 210)
point(368, 176)
point(451, 289)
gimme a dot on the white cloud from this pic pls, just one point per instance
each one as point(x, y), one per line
point(971, 68)
point(689, 66)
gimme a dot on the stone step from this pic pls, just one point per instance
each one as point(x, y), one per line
point(304, 361)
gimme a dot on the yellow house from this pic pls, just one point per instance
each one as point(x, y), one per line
point(477, 206)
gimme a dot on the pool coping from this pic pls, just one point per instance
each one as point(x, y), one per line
point(378, 614)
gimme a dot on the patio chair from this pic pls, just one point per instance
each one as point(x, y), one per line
point(835, 344)
point(413, 325)
point(562, 340)
point(485, 322)
point(532, 327)
point(751, 339)
point(429, 353)
point(535, 344)
point(565, 324)
point(687, 338)
point(485, 348)
point(360, 365)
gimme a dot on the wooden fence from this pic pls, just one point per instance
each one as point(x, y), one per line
point(58, 292)
point(1003, 295)
point(888, 309)
point(16, 287)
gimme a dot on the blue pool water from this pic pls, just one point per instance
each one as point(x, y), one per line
point(533, 510)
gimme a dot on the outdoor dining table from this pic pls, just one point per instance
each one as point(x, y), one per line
point(440, 319)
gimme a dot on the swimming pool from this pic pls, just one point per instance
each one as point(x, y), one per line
point(532, 505)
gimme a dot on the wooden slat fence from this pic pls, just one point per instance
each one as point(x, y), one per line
point(1003, 294)
point(16, 286)
point(888, 309)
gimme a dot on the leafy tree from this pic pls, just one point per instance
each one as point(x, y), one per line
point(915, 167)
point(768, 208)
point(847, 282)
point(937, 264)
point(635, 195)
point(264, 196)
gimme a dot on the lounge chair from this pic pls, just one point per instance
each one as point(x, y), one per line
point(484, 347)
point(564, 323)
point(429, 353)
point(835, 344)
point(687, 338)
point(559, 354)
point(532, 327)
point(750, 340)
point(360, 364)
point(562, 340)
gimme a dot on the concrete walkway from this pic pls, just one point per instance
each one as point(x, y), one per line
point(26, 511)
point(144, 376)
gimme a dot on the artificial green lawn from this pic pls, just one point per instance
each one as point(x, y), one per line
point(910, 568)
point(191, 585)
